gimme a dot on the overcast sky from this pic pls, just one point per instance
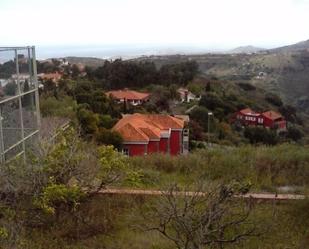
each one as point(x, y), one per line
point(214, 24)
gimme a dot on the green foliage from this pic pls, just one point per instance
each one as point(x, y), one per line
point(3, 233)
point(211, 101)
point(246, 86)
point(88, 121)
point(274, 99)
point(7, 69)
point(51, 106)
point(294, 133)
point(55, 195)
point(261, 135)
point(200, 115)
point(195, 88)
point(87, 92)
point(65, 157)
point(106, 121)
point(108, 137)
point(10, 89)
point(264, 166)
point(113, 165)
point(289, 112)
point(119, 74)
point(160, 97)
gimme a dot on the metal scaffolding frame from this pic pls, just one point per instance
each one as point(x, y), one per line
point(23, 134)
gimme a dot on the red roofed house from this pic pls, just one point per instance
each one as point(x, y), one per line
point(273, 119)
point(54, 77)
point(269, 119)
point(152, 133)
point(133, 97)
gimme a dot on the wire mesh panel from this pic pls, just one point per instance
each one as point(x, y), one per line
point(19, 101)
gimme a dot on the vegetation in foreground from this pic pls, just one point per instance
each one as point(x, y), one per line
point(266, 168)
point(51, 202)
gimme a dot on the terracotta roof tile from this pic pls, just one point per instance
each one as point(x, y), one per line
point(247, 111)
point(128, 94)
point(144, 127)
point(272, 115)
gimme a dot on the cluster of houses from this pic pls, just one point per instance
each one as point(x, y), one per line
point(269, 119)
point(138, 98)
point(152, 133)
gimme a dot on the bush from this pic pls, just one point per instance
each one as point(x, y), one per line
point(64, 107)
point(108, 137)
point(274, 99)
point(294, 133)
point(261, 135)
point(246, 86)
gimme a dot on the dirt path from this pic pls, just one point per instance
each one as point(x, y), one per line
point(257, 196)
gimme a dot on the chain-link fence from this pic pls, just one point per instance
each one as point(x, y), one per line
point(19, 101)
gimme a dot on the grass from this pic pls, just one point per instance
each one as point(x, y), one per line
point(115, 222)
point(284, 225)
point(265, 168)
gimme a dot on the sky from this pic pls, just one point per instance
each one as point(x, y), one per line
point(212, 24)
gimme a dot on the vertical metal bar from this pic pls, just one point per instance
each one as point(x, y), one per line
point(20, 106)
point(208, 130)
point(2, 138)
point(35, 80)
point(30, 67)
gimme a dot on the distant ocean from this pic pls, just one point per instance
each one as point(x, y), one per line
point(114, 51)
point(108, 51)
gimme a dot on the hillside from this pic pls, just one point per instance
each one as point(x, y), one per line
point(87, 61)
point(245, 50)
point(285, 74)
point(300, 46)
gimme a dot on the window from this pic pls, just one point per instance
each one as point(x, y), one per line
point(125, 151)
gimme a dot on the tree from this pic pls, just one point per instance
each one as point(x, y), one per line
point(261, 135)
point(211, 101)
point(294, 133)
point(198, 220)
point(108, 137)
point(88, 121)
point(195, 88)
point(27, 99)
point(10, 89)
point(54, 183)
point(274, 99)
point(200, 115)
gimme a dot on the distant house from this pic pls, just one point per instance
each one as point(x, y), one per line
point(268, 119)
point(3, 82)
point(152, 133)
point(133, 97)
point(186, 95)
point(21, 77)
point(54, 77)
point(274, 120)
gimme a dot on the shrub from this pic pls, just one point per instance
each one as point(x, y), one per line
point(274, 99)
point(261, 135)
point(108, 137)
point(246, 86)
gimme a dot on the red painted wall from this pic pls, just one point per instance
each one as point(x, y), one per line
point(163, 145)
point(153, 147)
point(175, 143)
point(268, 122)
point(136, 149)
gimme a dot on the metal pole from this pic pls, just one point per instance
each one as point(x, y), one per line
point(2, 158)
point(20, 107)
point(208, 126)
point(35, 80)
